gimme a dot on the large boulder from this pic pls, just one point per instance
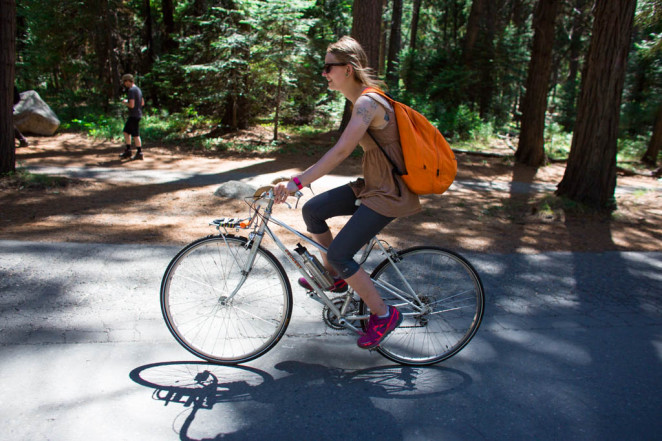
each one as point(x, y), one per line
point(33, 115)
point(235, 190)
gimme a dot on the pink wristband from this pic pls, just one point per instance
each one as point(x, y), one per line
point(297, 182)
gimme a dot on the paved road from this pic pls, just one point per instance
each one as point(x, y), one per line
point(571, 348)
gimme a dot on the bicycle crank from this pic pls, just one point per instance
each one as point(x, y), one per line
point(330, 318)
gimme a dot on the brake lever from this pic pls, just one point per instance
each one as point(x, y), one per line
point(262, 190)
point(298, 195)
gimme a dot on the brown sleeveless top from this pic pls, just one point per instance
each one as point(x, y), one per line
point(380, 189)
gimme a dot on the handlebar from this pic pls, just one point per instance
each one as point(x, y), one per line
point(267, 192)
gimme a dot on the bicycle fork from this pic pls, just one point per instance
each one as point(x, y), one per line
point(246, 266)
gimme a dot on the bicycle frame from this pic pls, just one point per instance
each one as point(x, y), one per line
point(262, 227)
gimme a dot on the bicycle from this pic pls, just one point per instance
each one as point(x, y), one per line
point(228, 300)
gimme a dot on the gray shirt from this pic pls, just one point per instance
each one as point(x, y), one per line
point(135, 94)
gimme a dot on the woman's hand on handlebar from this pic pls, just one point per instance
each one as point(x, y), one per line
point(282, 191)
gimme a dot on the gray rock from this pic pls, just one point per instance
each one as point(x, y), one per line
point(235, 189)
point(33, 115)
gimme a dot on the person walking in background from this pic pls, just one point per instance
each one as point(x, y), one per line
point(135, 102)
point(22, 141)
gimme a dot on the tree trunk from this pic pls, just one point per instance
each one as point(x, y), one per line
point(277, 112)
point(167, 8)
point(411, 62)
point(590, 175)
point(383, 45)
point(103, 47)
point(106, 47)
point(475, 27)
point(473, 30)
point(148, 35)
point(415, 14)
point(519, 14)
point(7, 59)
point(487, 82)
point(530, 150)
point(114, 44)
point(199, 7)
point(392, 74)
point(237, 113)
point(280, 83)
point(479, 52)
point(457, 14)
point(576, 36)
point(366, 27)
point(650, 157)
point(570, 87)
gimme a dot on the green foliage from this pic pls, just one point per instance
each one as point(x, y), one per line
point(92, 120)
point(630, 149)
point(66, 45)
point(103, 127)
point(464, 122)
point(281, 59)
point(568, 93)
point(557, 141)
point(643, 89)
point(235, 62)
point(209, 68)
point(573, 33)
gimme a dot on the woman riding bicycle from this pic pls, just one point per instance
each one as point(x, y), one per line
point(373, 202)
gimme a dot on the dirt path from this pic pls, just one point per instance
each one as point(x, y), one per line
point(484, 210)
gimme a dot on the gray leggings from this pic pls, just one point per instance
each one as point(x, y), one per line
point(361, 227)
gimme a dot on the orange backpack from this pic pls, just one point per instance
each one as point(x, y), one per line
point(430, 163)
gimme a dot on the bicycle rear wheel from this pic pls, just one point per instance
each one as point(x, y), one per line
point(202, 315)
point(451, 298)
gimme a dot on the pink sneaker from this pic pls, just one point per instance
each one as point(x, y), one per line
point(379, 328)
point(339, 286)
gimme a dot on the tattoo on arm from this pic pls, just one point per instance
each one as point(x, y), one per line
point(367, 111)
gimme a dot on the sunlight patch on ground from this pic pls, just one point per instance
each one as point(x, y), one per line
point(542, 344)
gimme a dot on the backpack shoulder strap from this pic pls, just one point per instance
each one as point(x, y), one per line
point(381, 100)
point(378, 92)
point(391, 100)
point(395, 167)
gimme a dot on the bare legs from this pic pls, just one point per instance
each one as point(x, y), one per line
point(136, 140)
point(360, 281)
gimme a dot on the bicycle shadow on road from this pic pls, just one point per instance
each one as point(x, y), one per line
point(310, 401)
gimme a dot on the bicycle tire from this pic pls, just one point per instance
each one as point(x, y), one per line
point(452, 294)
point(198, 313)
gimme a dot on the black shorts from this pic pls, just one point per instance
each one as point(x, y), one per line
point(132, 126)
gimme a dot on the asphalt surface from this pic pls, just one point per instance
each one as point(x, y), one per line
point(570, 348)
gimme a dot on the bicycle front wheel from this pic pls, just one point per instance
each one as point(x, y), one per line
point(213, 319)
point(446, 313)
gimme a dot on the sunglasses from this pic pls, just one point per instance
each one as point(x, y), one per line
point(328, 66)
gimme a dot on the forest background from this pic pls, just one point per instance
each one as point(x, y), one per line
point(574, 80)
